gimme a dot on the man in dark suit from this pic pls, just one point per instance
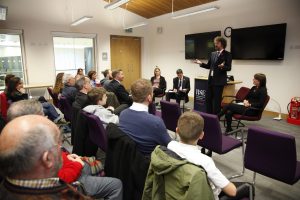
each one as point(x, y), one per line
point(181, 88)
point(119, 90)
point(218, 64)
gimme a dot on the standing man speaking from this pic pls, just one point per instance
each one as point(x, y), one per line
point(218, 64)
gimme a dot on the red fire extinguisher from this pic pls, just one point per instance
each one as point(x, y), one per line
point(294, 111)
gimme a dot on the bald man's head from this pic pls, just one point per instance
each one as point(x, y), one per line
point(29, 144)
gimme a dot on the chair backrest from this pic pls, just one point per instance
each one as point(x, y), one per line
point(66, 108)
point(264, 106)
point(4, 105)
point(170, 113)
point(97, 132)
point(53, 96)
point(272, 154)
point(212, 139)
point(242, 93)
point(152, 108)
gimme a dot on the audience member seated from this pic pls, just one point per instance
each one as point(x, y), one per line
point(74, 168)
point(116, 87)
point(97, 99)
point(30, 158)
point(145, 129)
point(107, 78)
point(255, 100)
point(16, 92)
point(59, 85)
point(6, 80)
point(171, 177)
point(92, 76)
point(69, 90)
point(181, 88)
point(79, 74)
point(190, 129)
point(83, 85)
point(158, 83)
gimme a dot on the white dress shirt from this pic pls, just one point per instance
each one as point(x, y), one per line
point(139, 107)
point(193, 154)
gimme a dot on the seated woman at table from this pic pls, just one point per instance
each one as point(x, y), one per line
point(159, 84)
point(16, 92)
point(255, 99)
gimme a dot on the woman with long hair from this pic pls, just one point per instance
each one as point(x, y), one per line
point(255, 99)
point(159, 84)
point(16, 92)
point(59, 85)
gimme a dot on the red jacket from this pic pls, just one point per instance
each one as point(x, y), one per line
point(70, 170)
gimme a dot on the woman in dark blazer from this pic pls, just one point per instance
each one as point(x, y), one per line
point(255, 99)
point(158, 83)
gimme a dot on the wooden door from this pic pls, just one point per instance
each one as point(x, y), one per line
point(126, 55)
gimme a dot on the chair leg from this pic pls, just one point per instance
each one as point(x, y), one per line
point(243, 156)
point(254, 178)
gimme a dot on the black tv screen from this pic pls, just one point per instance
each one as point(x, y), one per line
point(200, 45)
point(258, 43)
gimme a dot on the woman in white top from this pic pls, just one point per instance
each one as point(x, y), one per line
point(97, 99)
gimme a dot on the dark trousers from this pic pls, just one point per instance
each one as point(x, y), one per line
point(232, 109)
point(176, 95)
point(50, 111)
point(243, 191)
point(156, 92)
point(214, 99)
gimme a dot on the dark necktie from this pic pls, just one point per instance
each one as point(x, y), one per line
point(179, 84)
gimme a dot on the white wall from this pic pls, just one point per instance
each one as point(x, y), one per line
point(38, 22)
point(167, 50)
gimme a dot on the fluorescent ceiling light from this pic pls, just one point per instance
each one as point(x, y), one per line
point(81, 20)
point(115, 4)
point(195, 12)
point(3, 12)
point(136, 25)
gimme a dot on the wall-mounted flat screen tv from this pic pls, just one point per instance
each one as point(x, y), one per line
point(258, 43)
point(200, 45)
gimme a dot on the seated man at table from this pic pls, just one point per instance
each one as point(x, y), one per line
point(145, 129)
point(181, 88)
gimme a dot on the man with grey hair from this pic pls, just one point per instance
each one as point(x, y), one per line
point(69, 91)
point(24, 107)
point(83, 85)
point(107, 187)
point(30, 158)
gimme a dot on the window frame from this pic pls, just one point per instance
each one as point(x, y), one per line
point(92, 36)
point(19, 32)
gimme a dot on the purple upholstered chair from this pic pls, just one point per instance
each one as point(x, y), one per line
point(152, 110)
point(66, 108)
point(244, 117)
point(272, 154)
point(97, 132)
point(170, 113)
point(216, 141)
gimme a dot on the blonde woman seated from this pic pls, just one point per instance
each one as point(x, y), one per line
point(97, 99)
